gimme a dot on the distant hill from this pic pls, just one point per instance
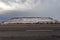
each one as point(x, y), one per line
point(31, 20)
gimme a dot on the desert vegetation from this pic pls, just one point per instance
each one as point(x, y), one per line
point(30, 26)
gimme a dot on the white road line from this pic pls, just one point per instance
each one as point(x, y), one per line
point(39, 30)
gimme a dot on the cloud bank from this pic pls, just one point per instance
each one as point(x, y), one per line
point(28, 4)
point(12, 8)
point(18, 4)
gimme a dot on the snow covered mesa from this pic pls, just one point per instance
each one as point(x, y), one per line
point(30, 20)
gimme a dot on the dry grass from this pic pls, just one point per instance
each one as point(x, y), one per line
point(29, 26)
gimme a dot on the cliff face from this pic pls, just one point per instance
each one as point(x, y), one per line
point(30, 20)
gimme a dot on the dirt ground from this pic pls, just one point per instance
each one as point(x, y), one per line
point(29, 31)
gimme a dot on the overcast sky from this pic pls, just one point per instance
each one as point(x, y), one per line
point(25, 8)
